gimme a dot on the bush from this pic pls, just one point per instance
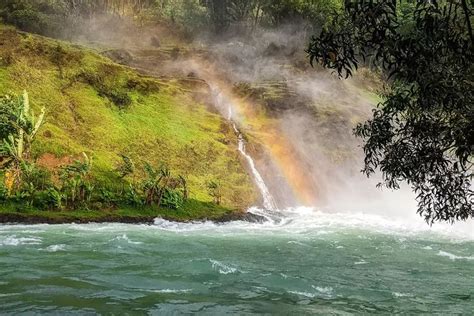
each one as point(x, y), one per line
point(3, 192)
point(120, 98)
point(145, 86)
point(107, 197)
point(133, 197)
point(36, 177)
point(54, 198)
point(99, 82)
point(172, 199)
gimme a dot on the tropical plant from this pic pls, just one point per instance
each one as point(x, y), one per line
point(56, 198)
point(172, 199)
point(34, 181)
point(133, 196)
point(38, 177)
point(15, 149)
point(184, 186)
point(76, 181)
point(3, 192)
point(214, 188)
point(107, 196)
point(155, 183)
point(125, 167)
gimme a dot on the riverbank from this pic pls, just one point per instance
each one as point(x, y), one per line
point(192, 211)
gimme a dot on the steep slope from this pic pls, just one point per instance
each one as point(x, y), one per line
point(107, 110)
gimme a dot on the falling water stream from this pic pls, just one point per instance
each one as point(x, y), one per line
point(268, 200)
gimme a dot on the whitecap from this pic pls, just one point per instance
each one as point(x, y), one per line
point(323, 290)
point(398, 294)
point(124, 237)
point(169, 291)
point(222, 268)
point(17, 241)
point(454, 257)
point(55, 248)
point(304, 220)
point(306, 294)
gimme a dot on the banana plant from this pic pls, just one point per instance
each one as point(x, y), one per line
point(75, 181)
point(16, 148)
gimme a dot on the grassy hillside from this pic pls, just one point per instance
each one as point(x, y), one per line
point(106, 110)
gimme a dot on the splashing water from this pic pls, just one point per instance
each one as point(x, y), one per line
point(298, 262)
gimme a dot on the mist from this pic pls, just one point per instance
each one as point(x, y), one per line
point(314, 118)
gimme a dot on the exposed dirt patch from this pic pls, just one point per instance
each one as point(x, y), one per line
point(51, 162)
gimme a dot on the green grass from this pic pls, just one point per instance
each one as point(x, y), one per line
point(192, 210)
point(162, 124)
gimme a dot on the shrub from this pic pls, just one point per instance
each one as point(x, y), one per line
point(120, 98)
point(107, 197)
point(3, 192)
point(76, 182)
point(37, 177)
point(133, 197)
point(172, 199)
point(214, 189)
point(99, 82)
point(54, 198)
point(143, 85)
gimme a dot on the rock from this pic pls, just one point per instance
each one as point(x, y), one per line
point(254, 218)
point(120, 56)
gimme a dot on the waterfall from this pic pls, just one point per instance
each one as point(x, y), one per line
point(268, 200)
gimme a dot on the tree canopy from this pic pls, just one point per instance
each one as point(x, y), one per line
point(50, 17)
point(423, 131)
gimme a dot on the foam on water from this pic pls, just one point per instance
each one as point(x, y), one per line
point(222, 268)
point(306, 220)
point(453, 256)
point(56, 248)
point(13, 240)
point(125, 238)
point(171, 291)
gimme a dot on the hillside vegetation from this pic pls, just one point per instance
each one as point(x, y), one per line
point(108, 111)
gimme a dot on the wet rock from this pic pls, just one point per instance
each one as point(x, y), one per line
point(241, 216)
point(254, 218)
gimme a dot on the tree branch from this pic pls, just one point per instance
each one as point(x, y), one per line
point(468, 19)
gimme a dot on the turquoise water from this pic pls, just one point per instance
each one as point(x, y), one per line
point(300, 263)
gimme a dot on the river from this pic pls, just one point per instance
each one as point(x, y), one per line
point(299, 262)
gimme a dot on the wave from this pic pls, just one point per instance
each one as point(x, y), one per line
point(171, 291)
point(306, 294)
point(222, 268)
point(125, 238)
point(400, 295)
point(453, 256)
point(320, 292)
point(304, 220)
point(323, 290)
point(294, 222)
point(17, 241)
point(56, 248)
